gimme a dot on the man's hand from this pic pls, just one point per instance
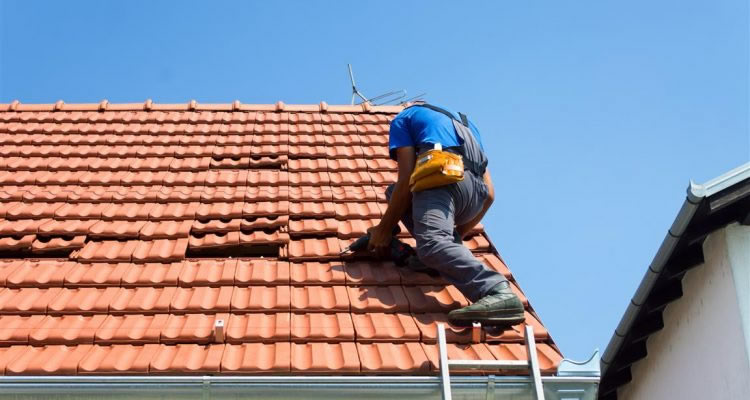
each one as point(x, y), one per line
point(379, 241)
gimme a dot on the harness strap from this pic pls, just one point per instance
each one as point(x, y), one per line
point(464, 132)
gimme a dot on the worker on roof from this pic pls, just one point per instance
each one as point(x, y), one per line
point(440, 216)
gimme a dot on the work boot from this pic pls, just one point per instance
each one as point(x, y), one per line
point(500, 306)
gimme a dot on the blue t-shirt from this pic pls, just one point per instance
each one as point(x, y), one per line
point(417, 126)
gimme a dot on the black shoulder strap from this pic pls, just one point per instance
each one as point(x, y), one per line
point(464, 120)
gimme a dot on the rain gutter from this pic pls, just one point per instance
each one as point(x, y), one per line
point(288, 387)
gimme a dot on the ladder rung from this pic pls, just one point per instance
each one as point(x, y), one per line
point(488, 364)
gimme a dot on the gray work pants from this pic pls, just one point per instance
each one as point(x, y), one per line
point(431, 220)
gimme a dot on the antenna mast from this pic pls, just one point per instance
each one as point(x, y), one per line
point(390, 97)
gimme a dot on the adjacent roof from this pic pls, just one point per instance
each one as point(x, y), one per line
point(708, 207)
point(204, 239)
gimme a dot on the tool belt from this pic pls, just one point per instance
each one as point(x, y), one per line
point(435, 168)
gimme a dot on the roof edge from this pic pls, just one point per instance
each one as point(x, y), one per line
point(193, 105)
point(696, 194)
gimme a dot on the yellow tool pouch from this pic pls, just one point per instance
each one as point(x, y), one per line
point(435, 168)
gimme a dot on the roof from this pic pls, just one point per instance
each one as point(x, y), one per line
point(708, 207)
point(204, 239)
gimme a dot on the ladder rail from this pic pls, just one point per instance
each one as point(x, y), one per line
point(532, 364)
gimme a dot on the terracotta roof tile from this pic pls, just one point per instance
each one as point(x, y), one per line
point(378, 299)
point(191, 328)
point(186, 358)
point(325, 226)
point(207, 272)
point(142, 300)
point(151, 274)
point(262, 272)
point(354, 228)
point(131, 329)
point(66, 329)
point(300, 209)
point(15, 329)
point(336, 358)
point(426, 299)
point(26, 300)
point(317, 274)
point(260, 299)
point(258, 327)
point(165, 229)
point(309, 327)
point(354, 193)
point(382, 327)
point(201, 299)
point(358, 211)
point(306, 249)
point(16, 242)
point(116, 229)
point(256, 358)
point(39, 273)
point(117, 359)
point(48, 360)
point(252, 223)
point(372, 273)
point(143, 189)
point(319, 298)
point(385, 358)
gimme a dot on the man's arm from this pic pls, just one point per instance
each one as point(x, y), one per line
point(380, 235)
point(464, 229)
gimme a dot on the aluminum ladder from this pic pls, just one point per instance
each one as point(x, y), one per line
point(532, 364)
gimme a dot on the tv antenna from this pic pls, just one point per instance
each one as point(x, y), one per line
point(391, 97)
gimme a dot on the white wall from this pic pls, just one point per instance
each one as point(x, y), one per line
point(701, 353)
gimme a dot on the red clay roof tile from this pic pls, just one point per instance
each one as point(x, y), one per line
point(371, 273)
point(201, 299)
point(315, 249)
point(48, 360)
point(260, 299)
point(378, 299)
point(66, 329)
point(261, 272)
point(382, 327)
point(299, 209)
point(256, 358)
point(310, 327)
point(317, 274)
point(336, 358)
point(117, 359)
point(258, 327)
point(151, 274)
point(15, 329)
point(186, 358)
point(319, 298)
point(191, 328)
point(131, 329)
point(427, 299)
point(207, 272)
point(383, 358)
point(172, 177)
point(142, 300)
point(39, 273)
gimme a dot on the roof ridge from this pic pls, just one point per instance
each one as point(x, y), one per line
point(193, 105)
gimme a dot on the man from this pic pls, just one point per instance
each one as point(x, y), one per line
point(440, 217)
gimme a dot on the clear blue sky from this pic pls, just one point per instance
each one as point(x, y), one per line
point(596, 114)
